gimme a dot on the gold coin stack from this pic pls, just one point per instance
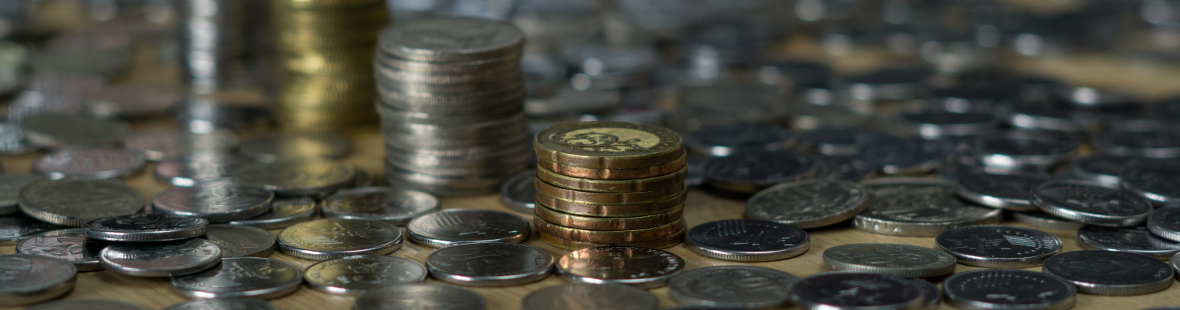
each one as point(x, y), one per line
point(609, 183)
point(327, 55)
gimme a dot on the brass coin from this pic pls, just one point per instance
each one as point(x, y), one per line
point(603, 210)
point(608, 223)
point(607, 198)
point(608, 236)
point(613, 186)
point(662, 243)
point(609, 145)
point(613, 174)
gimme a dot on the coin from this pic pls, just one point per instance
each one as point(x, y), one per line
point(583, 296)
point(334, 238)
point(241, 277)
point(296, 177)
point(1139, 143)
point(906, 156)
point(931, 296)
point(225, 304)
point(359, 274)
point(283, 213)
point(449, 40)
point(998, 246)
point(608, 223)
point(613, 173)
point(34, 279)
point(730, 139)
point(917, 207)
point(394, 206)
point(609, 198)
point(276, 147)
point(1136, 240)
point(1023, 151)
point(93, 304)
point(854, 290)
point(518, 193)
point(75, 202)
point(612, 186)
point(615, 211)
point(1101, 168)
point(899, 260)
point(631, 265)
point(490, 264)
point(157, 145)
point(733, 287)
point(1022, 289)
point(608, 236)
point(10, 186)
point(750, 172)
point(219, 202)
point(808, 203)
point(188, 171)
point(1111, 273)
point(747, 240)
point(435, 296)
point(88, 163)
point(840, 141)
point(456, 226)
point(160, 259)
point(16, 227)
point(1044, 220)
point(1165, 223)
point(1152, 179)
point(239, 241)
point(608, 145)
point(58, 130)
point(1005, 191)
point(66, 244)
point(145, 228)
point(940, 124)
point(1091, 203)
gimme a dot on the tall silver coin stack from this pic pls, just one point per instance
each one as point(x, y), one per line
point(217, 42)
point(451, 105)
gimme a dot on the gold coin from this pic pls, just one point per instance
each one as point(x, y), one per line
point(612, 173)
point(608, 145)
point(608, 223)
point(612, 186)
point(604, 210)
point(662, 243)
point(608, 236)
point(608, 198)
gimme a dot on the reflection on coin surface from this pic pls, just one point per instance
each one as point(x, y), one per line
point(750, 172)
point(75, 202)
point(1021, 289)
point(1136, 240)
point(394, 206)
point(1091, 203)
point(901, 260)
point(145, 228)
point(15, 227)
point(332, 238)
point(747, 240)
point(808, 203)
point(89, 304)
point(998, 246)
point(67, 244)
point(853, 290)
point(160, 259)
point(1111, 273)
point(241, 277)
point(225, 304)
point(157, 145)
point(585, 296)
point(56, 130)
point(33, 278)
point(918, 207)
point(296, 177)
point(1165, 223)
point(490, 264)
point(428, 296)
point(358, 274)
point(1101, 168)
point(218, 202)
point(238, 241)
point(1044, 220)
point(283, 213)
point(733, 287)
point(1005, 191)
point(454, 226)
point(1153, 179)
point(636, 266)
point(10, 187)
point(517, 193)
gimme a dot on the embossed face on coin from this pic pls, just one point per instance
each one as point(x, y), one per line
point(161, 259)
point(999, 246)
point(1091, 202)
point(917, 207)
point(1021, 289)
point(75, 202)
point(1136, 240)
point(455, 226)
point(66, 244)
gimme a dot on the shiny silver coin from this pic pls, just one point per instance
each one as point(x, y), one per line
point(840, 141)
point(1101, 168)
point(490, 264)
point(386, 204)
point(1021, 289)
point(445, 40)
point(901, 260)
point(145, 228)
point(906, 156)
point(728, 140)
point(1139, 143)
point(631, 265)
point(918, 207)
point(747, 240)
point(219, 202)
point(1111, 273)
point(88, 163)
point(334, 238)
point(584, 296)
point(283, 213)
point(225, 304)
point(750, 172)
point(241, 277)
point(17, 227)
point(75, 202)
point(57, 130)
point(10, 186)
point(33, 279)
point(1091, 203)
point(296, 177)
point(359, 274)
point(67, 244)
point(745, 287)
point(279, 147)
point(188, 171)
point(450, 186)
point(89, 304)
point(1155, 180)
point(853, 290)
point(941, 124)
point(1044, 220)
point(1016, 152)
point(1165, 223)
point(518, 193)
point(998, 246)
point(240, 241)
point(1136, 240)
point(808, 203)
point(429, 296)
point(1005, 191)
point(456, 226)
point(931, 295)
point(160, 259)
point(157, 145)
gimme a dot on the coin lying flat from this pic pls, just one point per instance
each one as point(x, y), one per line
point(1111, 273)
point(88, 163)
point(1101, 168)
point(1139, 143)
point(448, 40)
point(283, 213)
point(853, 290)
point(931, 296)
point(429, 296)
point(1091, 203)
point(608, 145)
point(145, 228)
point(1153, 179)
point(359, 274)
point(241, 277)
point(93, 304)
point(157, 145)
point(219, 202)
point(747, 240)
point(998, 246)
point(333, 238)
point(721, 141)
point(1005, 191)
point(584, 296)
point(733, 287)
point(1015, 152)
point(239, 241)
point(939, 124)
point(10, 186)
point(808, 203)
point(160, 259)
point(1165, 223)
point(67, 244)
point(750, 172)
point(490, 264)
point(454, 226)
point(278, 147)
point(296, 177)
point(900, 260)
point(34, 278)
point(193, 169)
point(75, 202)
point(1136, 240)
point(16, 227)
point(906, 156)
point(636, 266)
point(1044, 220)
point(386, 204)
point(225, 304)
point(917, 207)
point(518, 194)
point(56, 130)
point(1021, 289)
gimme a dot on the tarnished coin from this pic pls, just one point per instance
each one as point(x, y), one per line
point(750, 172)
point(747, 240)
point(906, 156)
point(67, 244)
point(57, 130)
point(456, 226)
point(1111, 273)
point(33, 278)
point(160, 259)
point(584, 296)
point(1021, 289)
point(429, 296)
point(219, 202)
point(931, 295)
point(296, 177)
point(1044, 220)
point(283, 213)
point(1091, 203)
point(745, 287)
point(280, 147)
point(359, 274)
point(608, 145)
point(998, 246)
point(145, 228)
point(89, 304)
point(239, 241)
point(1155, 180)
point(1165, 223)
point(88, 163)
point(853, 290)
point(241, 277)
point(1016, 152)
point(490, 264)
point(808, 203)
point(188, 171)
point(901, 260)
point(918, 207)
point(518, 194)
point(16, 227)
point(225, 304)
point(1101, 168)
point(1136, 240)
point(379, 203)
point(333, 238)
point(1005, 191)
point(157, 145)
point(10, 186)
point(636, 266)
point(1154, 144)
point(730, 139)
point(75, 202)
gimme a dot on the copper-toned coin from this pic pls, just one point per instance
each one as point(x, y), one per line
point(608, 198)
point(608, 145)
point(612, 186)
point(662, 243)
point(610, 210)
point(608, 236)
point(609, 223)
point(613, 173)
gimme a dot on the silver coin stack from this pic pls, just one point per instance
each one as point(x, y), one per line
point(216, 42)
point(451, 105)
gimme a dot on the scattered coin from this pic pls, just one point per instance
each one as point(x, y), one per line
point(490, 264)
point(241, 277)
point(283, 213)
point(942, 124)
point(240, 241)
point(906, 156)
point(145, 228)
point(160, 259)
point(636, 266)
point(33, 279)
point(92, 304)
point(900, 260)
point(296, 177)
point(853, 290)
point(219, 202)
point(808, 203)
point(1091, 203)
point(66, 244)
point(1021, 289)
point(379, 203)
point(733, 287)
point(334, 238)
point(10, 187)
point(840, 141)
point(1155, 180)
point(1139, 143)
point(1005, 191)
point(727, 140)
point(518, 194)
point(157, 145)
point(455, 226)
point(428, 296)
point(225, 304)
point(1101, 168)
point(190, 170)
point(1111, 273)
point(16, 227)
point(277, 147)
point(998, 246)
point(75, 202)
point(58, 130)
point(88, 163)
point(359, 274)
point(1019, 151)
point(1136, 240)
point(917, 207)
point(931, 296)
point(747, 240)
point(1044, 220)
point(584, 296)
point(750, 172)
point(1165, 223)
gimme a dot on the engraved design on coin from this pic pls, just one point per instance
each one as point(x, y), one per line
point(490, 264)
point(73, 202)
point(66, 244)
point(334, 235)
point(1111, 273)
point(453, 226)
point(747, 240)
point(893, 259)
point(19, 226)
point(241, 277)
point(1093, 199)
point(609, 140)
point(29, 279)
point(733, 286)
point(809, 203)
point(1008, 289)
point(352, 275)
point(999, 246)
point(1136, 240)
point(849, 289)
point(917, 207)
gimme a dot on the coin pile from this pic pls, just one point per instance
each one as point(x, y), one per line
point(325, 49)
point(610, 183)
point(451, 105)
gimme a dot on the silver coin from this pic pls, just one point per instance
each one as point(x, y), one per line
point(1015, 152)
point(296, 177)
point(240, 241)
point(730, 139)
point(379, 203)
point(636, 266)
point(428, 296)
point(917, 207)
point(808, 203)
point(67, 244)
point(1139, 143)
point(518, 193)
point(160, 259)
point(941, 124)
point(219, 202)
point(1165, 223)
point(455, 226)
point(750, 172)
point(188, 171)
point(443, 39)
point(145, 228)
point(1017, 289)
point(931, 296)
point(57, 130)
point(906, 156)
point(1136, 240)
point(1005, 191)
point(334, 238)
point(10, 186)
point(225, 304)
point(1111, 273)
point(901, 260)
point(75, 202)
point(1044, 220)
point(853, 290)
point(490, 264)
point(33, 279)
point(745, 287)
point(1091, 203)
point(840, 141)
point(157, 145)
point(1155, 180)
point(241, 277)
point(88, 163)
point(16, 227)
point(584, 296)
point(747, 240)
point(283, 213)
point(998, 246)
point(88, 304)
point(359, 274)
point(278, 147)
point(1101, 168)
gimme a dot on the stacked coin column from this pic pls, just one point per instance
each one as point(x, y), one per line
point(451, 105)
point(326, 53)
point(214, 44)
point(610, 183)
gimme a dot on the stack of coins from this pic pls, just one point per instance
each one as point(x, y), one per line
point(326, 48)
point(216, 40)
point(451, 105)
point(610, 183)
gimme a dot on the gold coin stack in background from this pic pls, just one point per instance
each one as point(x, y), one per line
point(610, 183)
point(326, 54)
